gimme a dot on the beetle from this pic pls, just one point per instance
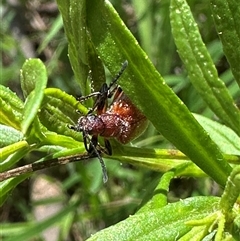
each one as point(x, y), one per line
point(121, 119)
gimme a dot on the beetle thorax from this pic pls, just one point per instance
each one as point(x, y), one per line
point(90, 124)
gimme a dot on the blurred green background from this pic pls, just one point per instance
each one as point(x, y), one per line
point(33, 29)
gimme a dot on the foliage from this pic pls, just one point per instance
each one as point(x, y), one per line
point(98, 37)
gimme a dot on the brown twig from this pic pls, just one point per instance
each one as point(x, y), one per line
point(43, 165)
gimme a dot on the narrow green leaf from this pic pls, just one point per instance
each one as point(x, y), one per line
point(53, 120)
point(97, 73)
point(14, 228)
point(37, 229)
point(231, 193)
point(14, 101)
point(74, 21)
point(166, 223)
point(158, 197)
point(59, 110)
point(32, 76)
point(33, 82)
point(8, 117)
point(200, 67)
point(8, 185)
point(55, 28)
point(236, 228)
point(65, 105)
point(52, 138)
point(226, 14)
point(11, 108)
point(70, 102)
point(10, 149)
point(63, 153)
point(160, 160)
point(9, 135)
point(215, 50)
point(197, 234)
point(227, 140)
point(145, 25)
point(11, 154)
point(146, 88)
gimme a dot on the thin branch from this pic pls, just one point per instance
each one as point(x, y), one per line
point(43, 165)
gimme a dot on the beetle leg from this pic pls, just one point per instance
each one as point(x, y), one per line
point(95, 153)
point(85, 137)
point(71, 127)
point(92, 150)
point(108, 147)
point(101, 101)
point(104, 169)
point(92, 143)
point(83, 98)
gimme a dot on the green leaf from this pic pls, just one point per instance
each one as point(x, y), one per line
point(55, 28)
point(97, 73)
point(63, 153)
point(154, 31)
point(11, 154)
point(74, 21)
point(33, 76)
point(160, 160)
point(52, 138)
point(14, 228)
point(33, 230)
point(236, 228)
point(158, 198)
point(11, 108)
point(200, 67)
point(145, 25)
point(10, 149)
point(146, 88)
point(58, 110)
point(9, 135)
point(33, 82)
point(226, 14)
point(8, 185)
point(231, 193)
point(166, 223)
point(227, 140)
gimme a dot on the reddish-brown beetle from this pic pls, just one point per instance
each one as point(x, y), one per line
point(121, 119)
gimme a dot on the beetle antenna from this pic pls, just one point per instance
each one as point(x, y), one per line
point(124, 66)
